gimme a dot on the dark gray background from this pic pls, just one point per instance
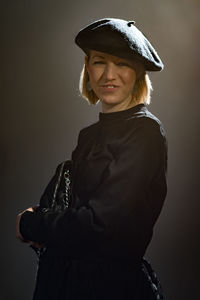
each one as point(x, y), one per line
point(42, 113)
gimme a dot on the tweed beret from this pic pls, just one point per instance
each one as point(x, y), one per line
point(119, 38)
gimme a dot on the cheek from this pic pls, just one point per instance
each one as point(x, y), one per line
point(94, 75)
point(129, 77)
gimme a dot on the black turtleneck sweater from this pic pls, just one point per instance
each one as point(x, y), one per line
point(118, 189)
point(95, 247)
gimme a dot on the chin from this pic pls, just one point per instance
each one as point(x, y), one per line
point(111, 101)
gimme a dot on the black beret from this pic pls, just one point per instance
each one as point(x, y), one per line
point(119, 38)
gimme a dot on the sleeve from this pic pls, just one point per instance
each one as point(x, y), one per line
point(124, 207)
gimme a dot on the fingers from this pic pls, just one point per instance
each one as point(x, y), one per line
point(35, 207)
point(31, 209)
point(36, 245)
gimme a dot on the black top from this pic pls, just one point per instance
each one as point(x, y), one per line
point(95, 247)
point(118, 189)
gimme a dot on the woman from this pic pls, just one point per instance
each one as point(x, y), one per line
point(94, 248)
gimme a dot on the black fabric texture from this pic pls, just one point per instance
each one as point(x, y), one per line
point(118, 190)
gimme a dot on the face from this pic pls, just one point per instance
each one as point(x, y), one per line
point(112, 79)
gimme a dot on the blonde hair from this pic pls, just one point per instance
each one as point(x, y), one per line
point(141, 92)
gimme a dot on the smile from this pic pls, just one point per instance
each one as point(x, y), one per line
point(109, 87)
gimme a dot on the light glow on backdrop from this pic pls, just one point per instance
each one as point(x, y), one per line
point(42, 114)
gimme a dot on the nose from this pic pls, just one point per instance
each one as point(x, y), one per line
point(110, 71)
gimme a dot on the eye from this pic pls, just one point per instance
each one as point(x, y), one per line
point(123, 64)
point(98, 62)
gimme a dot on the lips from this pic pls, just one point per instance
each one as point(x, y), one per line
point(109, 87)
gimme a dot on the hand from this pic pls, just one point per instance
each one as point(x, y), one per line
point(35, 245)
point(18, 233)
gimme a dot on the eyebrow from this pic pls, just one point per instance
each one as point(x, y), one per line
point(98, 56)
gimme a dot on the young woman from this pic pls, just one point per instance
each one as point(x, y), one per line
point(94, 249)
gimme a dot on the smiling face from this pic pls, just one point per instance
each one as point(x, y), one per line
point(112, 79)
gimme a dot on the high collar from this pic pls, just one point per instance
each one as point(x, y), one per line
point(122, 114)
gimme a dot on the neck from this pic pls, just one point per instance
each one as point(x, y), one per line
point(109, 108)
